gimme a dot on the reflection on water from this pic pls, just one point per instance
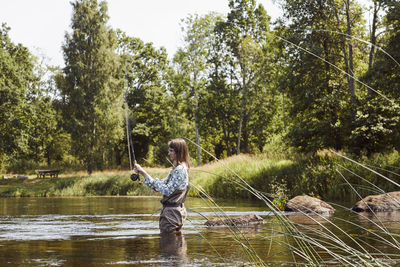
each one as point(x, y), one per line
point(124, 231)
point(312, 219)
point(173, 248)
point(388, 216)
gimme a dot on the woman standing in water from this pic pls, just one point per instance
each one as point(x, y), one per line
point(174, 187)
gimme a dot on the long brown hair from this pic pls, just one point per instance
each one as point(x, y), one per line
point(181, 151)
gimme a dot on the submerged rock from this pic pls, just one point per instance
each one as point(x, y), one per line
point(244, 220)
point(309, 204)
point(384, 202)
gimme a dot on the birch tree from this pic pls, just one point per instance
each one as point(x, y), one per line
point(192, 63)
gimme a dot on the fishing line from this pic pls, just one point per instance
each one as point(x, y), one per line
point(356, 38)
point(336, 67)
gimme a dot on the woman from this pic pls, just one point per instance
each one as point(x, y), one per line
point(174, 187)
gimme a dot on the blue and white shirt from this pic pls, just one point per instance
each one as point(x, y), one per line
point(177, 179)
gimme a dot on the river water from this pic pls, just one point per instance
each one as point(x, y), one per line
point(123, 231)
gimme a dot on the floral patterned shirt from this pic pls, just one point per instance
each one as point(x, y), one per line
point(177, 179)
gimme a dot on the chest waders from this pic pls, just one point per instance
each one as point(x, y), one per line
point(173, 213)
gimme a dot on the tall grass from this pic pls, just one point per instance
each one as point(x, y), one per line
point(297, 174)
point(326, 242)
point(277, 175)
point(261, 172)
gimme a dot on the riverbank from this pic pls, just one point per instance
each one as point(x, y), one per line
point(324, 175)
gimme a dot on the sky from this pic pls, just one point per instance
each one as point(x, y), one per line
point(41, 25)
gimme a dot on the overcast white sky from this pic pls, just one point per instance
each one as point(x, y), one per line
point(40, 25)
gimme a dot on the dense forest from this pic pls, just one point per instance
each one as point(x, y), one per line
point(325, 75)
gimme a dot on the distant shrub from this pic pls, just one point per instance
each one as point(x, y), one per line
point(22, 166)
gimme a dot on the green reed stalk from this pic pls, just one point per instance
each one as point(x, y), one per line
point(306, 248)
point(305, 245)
point(374, 214)
point(235, 231)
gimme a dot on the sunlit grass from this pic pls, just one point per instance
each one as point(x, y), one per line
point(325, 242)
point(110, 182)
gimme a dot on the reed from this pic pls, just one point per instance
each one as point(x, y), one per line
point(326, 242)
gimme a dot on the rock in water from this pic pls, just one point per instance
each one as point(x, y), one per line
point(309, 204)
point(384, 202)
point(244, 220)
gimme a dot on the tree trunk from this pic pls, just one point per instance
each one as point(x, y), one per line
point(117, 156)
point(245, 133)
point(351, 67)
point(90, 153)
point(348, 60)
point(48, 157)
point(196, 126)
point(239, 135)
point(89, 163)
point(283, 111)
point(242, 112)
point(373, 40)
point(226, 138)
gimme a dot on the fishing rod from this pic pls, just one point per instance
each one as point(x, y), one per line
point(131, 150)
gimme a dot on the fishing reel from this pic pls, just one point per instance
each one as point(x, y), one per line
point(135, 177)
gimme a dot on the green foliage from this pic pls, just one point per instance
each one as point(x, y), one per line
point(234, 86)
point(22, 166)
point(249, 55)
point(322, 103)
point(91, 87)
point(376, 127)
point(17, 81)
point(29, 125)
point(192, 66)
point(378, 123)
point(160, 154)
point(279, 203)
point(146, 69)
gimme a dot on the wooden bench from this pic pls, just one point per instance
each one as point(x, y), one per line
point(43, 173)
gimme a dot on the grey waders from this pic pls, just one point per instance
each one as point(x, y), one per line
point(173, 213)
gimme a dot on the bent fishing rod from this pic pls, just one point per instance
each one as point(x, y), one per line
point(131, 150)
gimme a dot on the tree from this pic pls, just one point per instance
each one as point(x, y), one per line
point(29, 122)
point(245, 32)
point(378, 122)
point(219, 107)
point(92, 88)
point(17, 84)
point(192, 63)
point(146, 69)
point(374, 31)
point(351, 15)
point(320, 67)
point(384, 74)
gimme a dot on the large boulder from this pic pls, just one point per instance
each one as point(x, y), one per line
point(309, 204)
point(384, 202)
point(244, 220)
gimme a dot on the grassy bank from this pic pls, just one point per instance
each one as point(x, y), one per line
point(111, 183)
point(325, 174)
